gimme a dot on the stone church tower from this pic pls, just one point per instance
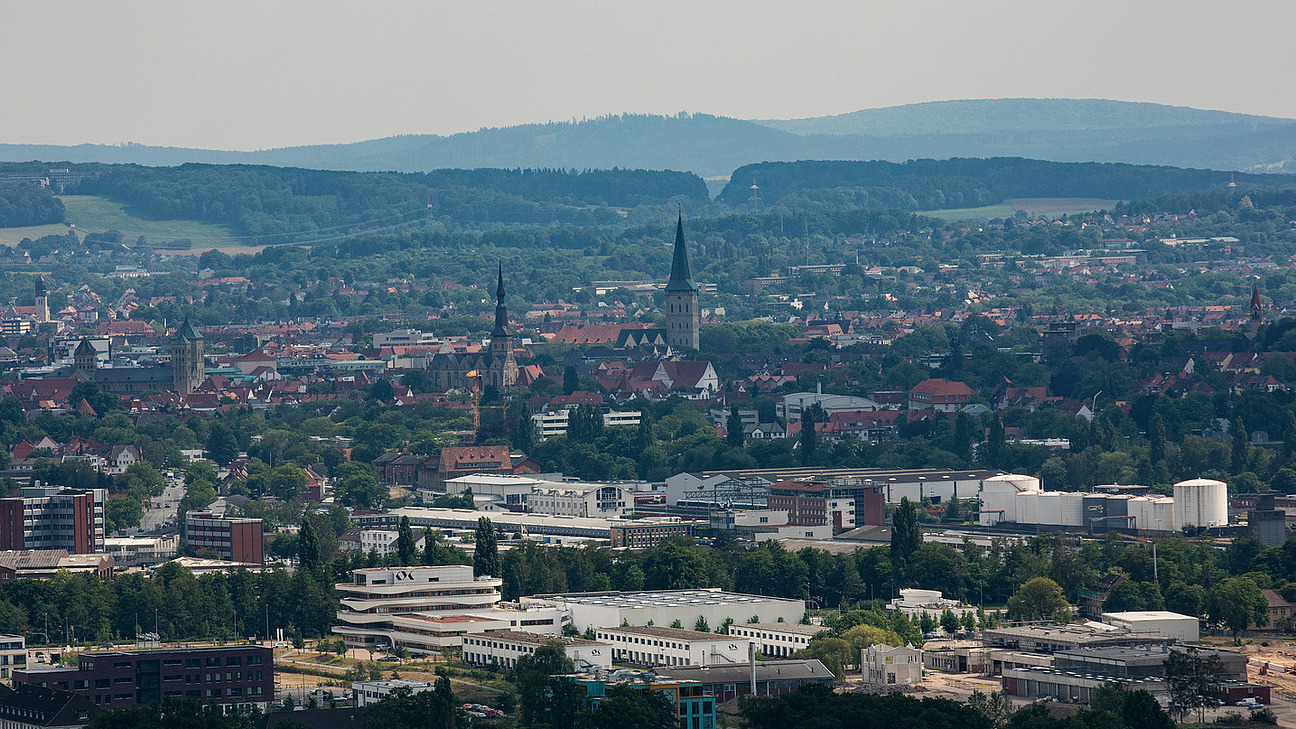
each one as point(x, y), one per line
point(503, 369)
point(42, 301)
point(682, 317)
point(186, 359)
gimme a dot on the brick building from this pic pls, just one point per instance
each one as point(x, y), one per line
point(232, 539)
point(52, 517)
point(846, 505)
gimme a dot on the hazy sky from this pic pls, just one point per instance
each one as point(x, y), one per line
point(249, 75)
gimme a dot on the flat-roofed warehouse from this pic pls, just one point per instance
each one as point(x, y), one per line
point(1054, 638)
point(664, 607)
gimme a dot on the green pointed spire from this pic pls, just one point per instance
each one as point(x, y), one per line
point(681, 279)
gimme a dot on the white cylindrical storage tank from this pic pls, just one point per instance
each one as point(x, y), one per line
point(1050, 508)
point(1163, 514)
point(1073, 509)
point(1140, 507)
point(1201, 502)
point(1026, 507)
point(998, 494)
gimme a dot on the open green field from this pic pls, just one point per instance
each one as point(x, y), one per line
point(1050, 207)
point(94, 214)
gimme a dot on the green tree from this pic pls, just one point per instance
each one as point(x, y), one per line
point(949, 622)
point(1192, 680)
point(571, 381)
point(308, 546)
point(1237, 603)
point(1039, 598)
point(545, 699)
point(701, 625)
point(906, 536)
point(404, 709)
point(995, 706)
point(486, 560)
point(406, 551)
point(222, 446)
point(734, 428)
point(628, 707)
point(809, 435)
point(1241, 445)
point(1156, 439)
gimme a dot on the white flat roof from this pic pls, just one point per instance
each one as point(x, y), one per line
point(663, 598)
point(1138, 615)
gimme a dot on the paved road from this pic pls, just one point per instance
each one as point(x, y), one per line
point(163, 508)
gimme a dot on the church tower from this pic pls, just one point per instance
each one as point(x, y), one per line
point(682, 317)
point(1257, 307)
point(186, 359)
point(84, 359)
point(503, 370)
point(42, 301)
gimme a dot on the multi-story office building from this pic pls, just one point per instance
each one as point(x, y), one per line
point(13, 654)
point(651, 645)
point(844, 504)
point(236, 677)
point(776, 640)
point(52, 517)
point(663, 607)
point(648, 533)
point(231, 539)
point(604, 501)
point(425, 609)
point(504, 648)
point(694, 708)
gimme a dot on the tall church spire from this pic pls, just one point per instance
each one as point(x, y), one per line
point(681, 279)
point(683, 320)
point(1257, 307)
point(501, 312)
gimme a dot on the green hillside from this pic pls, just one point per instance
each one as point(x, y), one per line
point(94, 214)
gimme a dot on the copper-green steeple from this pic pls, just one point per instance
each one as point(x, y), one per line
point(681, 279)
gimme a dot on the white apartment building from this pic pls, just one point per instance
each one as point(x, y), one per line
point(603, 501)
point(651, 645)
point(138, 551)
point(13, 654)
point(885, 665)
point(371, 692)
point(554, 422)
point(776, 640)
point(382, 541)
point(504, 648)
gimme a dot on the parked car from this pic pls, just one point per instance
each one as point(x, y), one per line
point(1249, 702)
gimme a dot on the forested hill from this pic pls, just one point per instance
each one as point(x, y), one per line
point(1053, 129)
point(991, 116)
point(283, 204)
point(961, 183)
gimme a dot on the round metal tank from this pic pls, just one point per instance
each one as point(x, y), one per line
point(1163, 514)
point(1012, 481)
point(1050, 508)
point(1200, 502)
point(1073, 509)
point(997, 495)
point(1140, 507)
point(1026, 507)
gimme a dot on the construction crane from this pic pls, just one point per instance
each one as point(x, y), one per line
point(475, 378)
